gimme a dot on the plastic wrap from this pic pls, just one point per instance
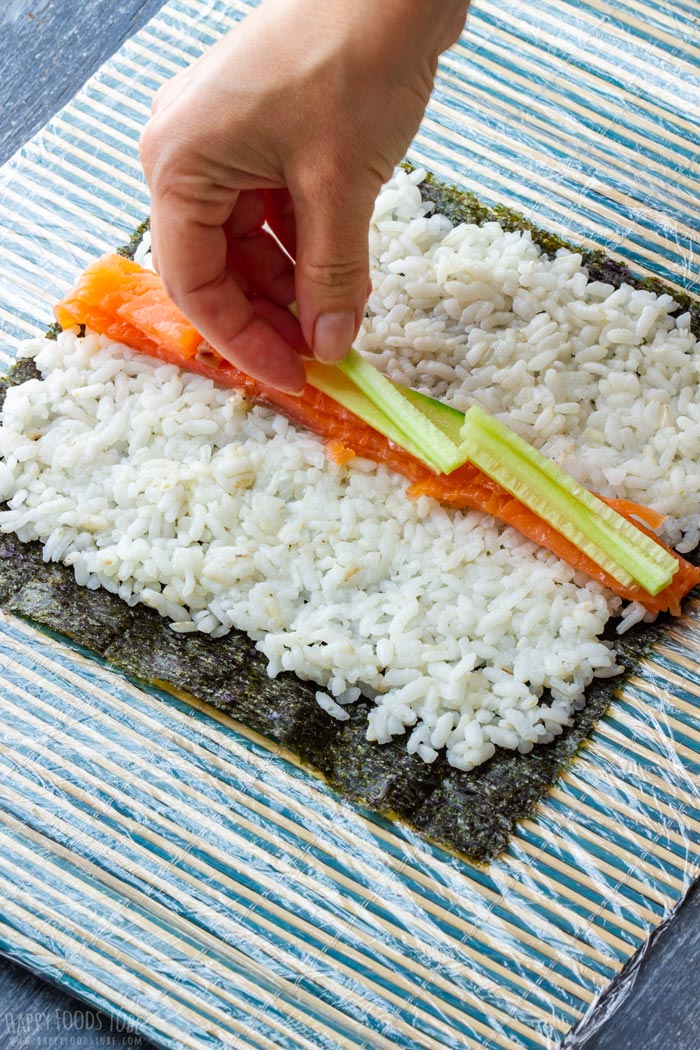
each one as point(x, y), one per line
point(163, 863)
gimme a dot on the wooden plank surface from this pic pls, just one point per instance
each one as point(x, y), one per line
point(659, 995)
point(36, 1016)
point(48, 48)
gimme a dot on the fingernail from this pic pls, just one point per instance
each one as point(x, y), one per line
point(333, 335)
point(295, 390)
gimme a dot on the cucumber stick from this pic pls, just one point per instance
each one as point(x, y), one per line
point(449, 420)
point(330, 380)
point(363, 390)
point(613, 543)
point(444, 439)
point(435, 446)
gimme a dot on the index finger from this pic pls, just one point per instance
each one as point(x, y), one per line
point(190, 245)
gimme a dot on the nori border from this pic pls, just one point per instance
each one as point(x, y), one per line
point(472, 813)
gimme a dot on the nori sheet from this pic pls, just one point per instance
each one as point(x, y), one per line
point(471, 813)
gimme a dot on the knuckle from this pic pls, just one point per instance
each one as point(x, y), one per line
point(334, 276)
point(149, 147)
point(326, 172)
point(163, 158)
point(159, 98)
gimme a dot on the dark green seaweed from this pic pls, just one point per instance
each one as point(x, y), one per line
point(128, 250)
point(461, 206)
point(472, 813)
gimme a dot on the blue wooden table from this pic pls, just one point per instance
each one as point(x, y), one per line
point(48, 48)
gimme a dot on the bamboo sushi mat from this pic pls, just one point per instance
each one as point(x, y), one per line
point(160, 862)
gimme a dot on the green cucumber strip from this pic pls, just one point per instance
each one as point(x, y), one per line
point(449, 420)
point(434, 444)
point(329, 380)
point(611, 524)
point(624, 551)
point(565, 521)
point(444, 439)
point(385, 408)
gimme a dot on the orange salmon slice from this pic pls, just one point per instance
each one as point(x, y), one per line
point(120, 299)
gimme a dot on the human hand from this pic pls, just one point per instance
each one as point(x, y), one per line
point(296, 118)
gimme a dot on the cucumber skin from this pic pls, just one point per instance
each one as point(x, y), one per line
point(449, 420)
point(605, 536)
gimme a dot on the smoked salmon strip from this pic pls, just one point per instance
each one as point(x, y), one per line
point(120, 299)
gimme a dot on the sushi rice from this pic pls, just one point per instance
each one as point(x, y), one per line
point(168, 490)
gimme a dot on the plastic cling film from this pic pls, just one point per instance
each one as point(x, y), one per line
point(222, 860)
point(174, 869)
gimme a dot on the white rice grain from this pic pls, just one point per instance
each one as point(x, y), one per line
point(169, 491)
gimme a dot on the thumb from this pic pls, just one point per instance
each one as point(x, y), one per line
point(332, 264)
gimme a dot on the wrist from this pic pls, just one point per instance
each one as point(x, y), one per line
point(439, 22)
point(428, 27)
point(403, 26)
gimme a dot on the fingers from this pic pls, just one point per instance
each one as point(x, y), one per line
point(280, 215)
point(282, 320)
point(332, 271)
point(191, 249)
point(327, 118)
point(254, 253)
point(263, 354)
